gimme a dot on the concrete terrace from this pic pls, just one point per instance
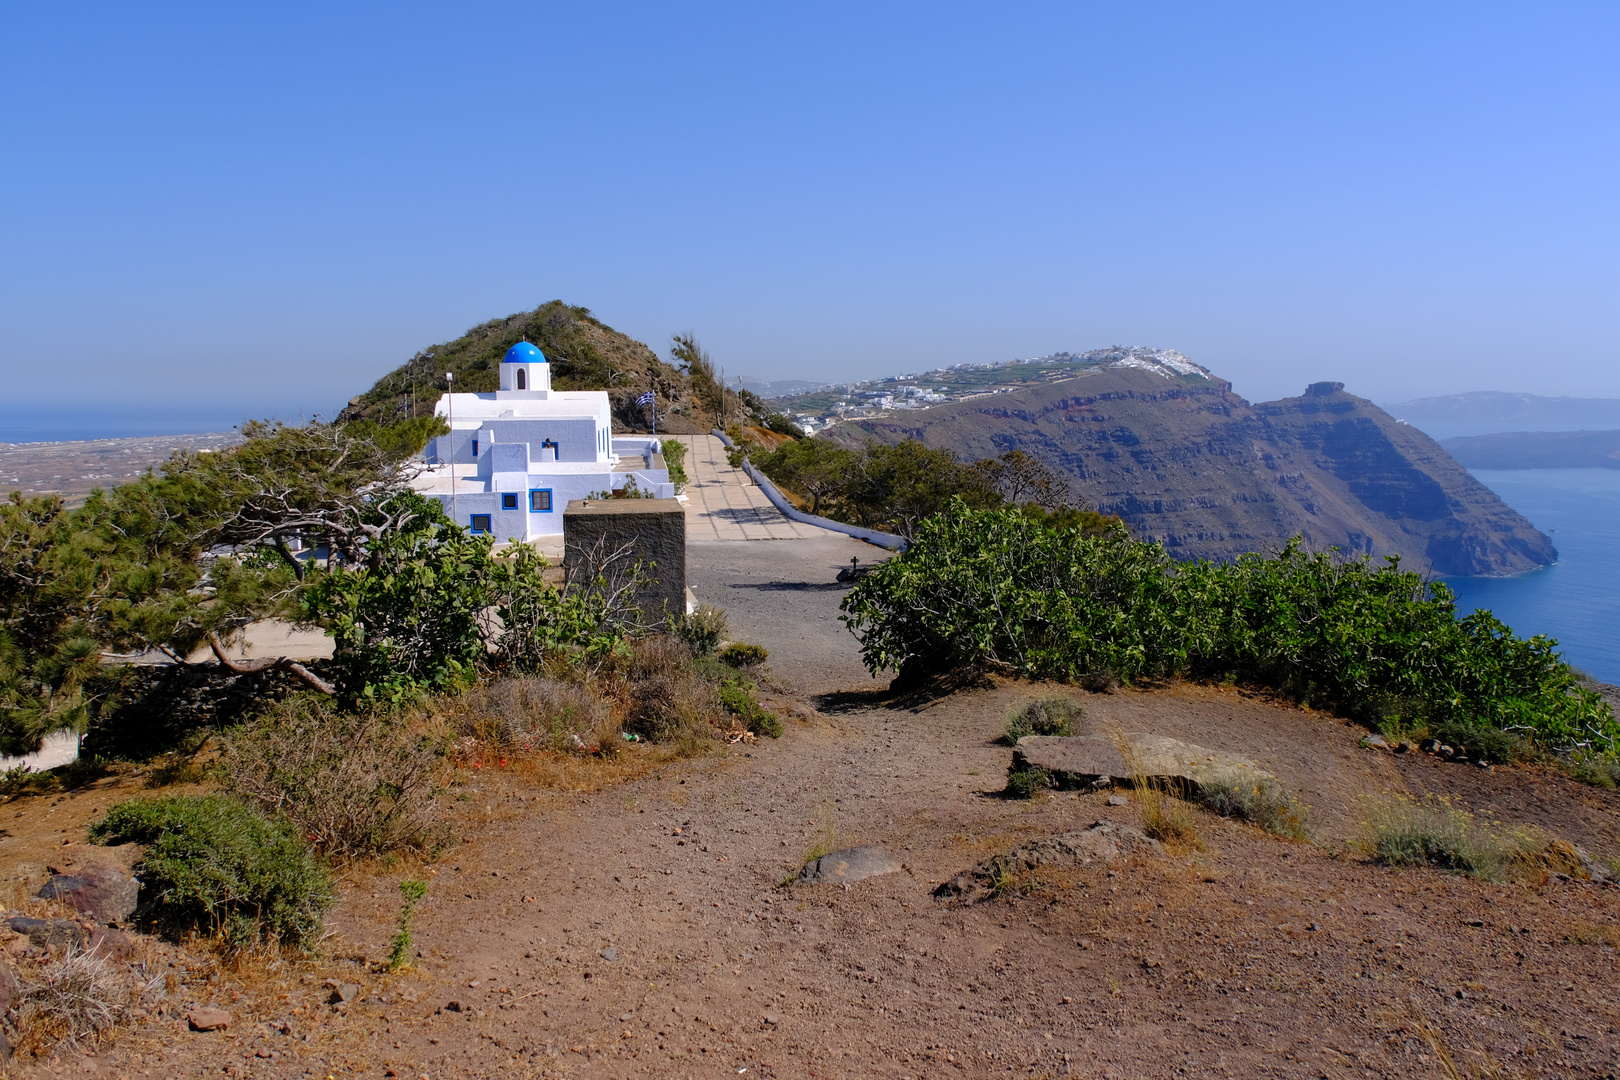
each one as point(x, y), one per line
point(724, 504)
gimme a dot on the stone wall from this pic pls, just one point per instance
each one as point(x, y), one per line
point(621, 532)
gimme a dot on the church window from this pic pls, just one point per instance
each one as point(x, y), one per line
point(480, 523)
point(509, 501)
point(475, 448)
point(540, 501)
point(522, 379)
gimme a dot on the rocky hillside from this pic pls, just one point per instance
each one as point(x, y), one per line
point(1169, 447)
point(585, 354)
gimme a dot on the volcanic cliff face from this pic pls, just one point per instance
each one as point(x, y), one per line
point(1189, 463)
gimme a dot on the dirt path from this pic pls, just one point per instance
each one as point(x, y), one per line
point(644, 930)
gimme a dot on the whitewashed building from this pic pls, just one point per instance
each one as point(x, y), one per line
point(514, 458)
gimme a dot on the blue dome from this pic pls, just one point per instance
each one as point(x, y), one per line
point(524, 353)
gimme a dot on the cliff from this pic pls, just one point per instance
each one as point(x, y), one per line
point(1172, 450)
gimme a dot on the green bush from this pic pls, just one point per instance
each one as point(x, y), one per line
point(1045, 716)
point(740, 655)
point(217, 865)
point(737, 696)
point(992, 589)
point(703, 629)
point(1407, 832)
point(1027, 783)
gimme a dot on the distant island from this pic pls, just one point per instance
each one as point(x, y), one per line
point(1537, 450)
point(1482, 412)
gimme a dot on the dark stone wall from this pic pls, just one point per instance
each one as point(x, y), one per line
point(653, 531)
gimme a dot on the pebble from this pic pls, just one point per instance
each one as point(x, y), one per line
point(610, 954)
point(1118, 800)
point(204, 1019)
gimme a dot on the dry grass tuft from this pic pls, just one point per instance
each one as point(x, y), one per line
point(1166, 816)
point(78, 1000)
point(1403, 831)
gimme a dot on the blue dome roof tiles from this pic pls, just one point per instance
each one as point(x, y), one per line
point(524, 353)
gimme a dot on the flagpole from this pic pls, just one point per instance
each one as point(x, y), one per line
point(450, 407)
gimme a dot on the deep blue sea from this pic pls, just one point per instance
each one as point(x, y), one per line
point(1576, 600)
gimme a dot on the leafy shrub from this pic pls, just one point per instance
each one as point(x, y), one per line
point(991, 589)
point(741, 655)
point(1026, 783)
point(665, 697)
point(215, 864)
point(1265, 804)
point(675, 462)
point(355, 783)
point(1480, 742)
point(703, 630)
point(1045, 716)
point(1594, 769)
point(737, 697)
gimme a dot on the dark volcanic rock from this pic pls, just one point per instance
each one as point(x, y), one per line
point(105, 893)
point(1189, 463)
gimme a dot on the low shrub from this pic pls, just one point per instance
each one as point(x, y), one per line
point(741, 655)
point(535, 712)
point(355, 783)
point(1026, 783)
point(1265, 804)
point(77, 999)
point(737, 697)
point(1596, 769)
point(220, 866)
point(665, 696)
point(1480, 743)
point(1407, 832)
point(703, 630)
point(1045, 716)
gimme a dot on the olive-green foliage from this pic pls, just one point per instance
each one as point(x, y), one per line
point(880, 487)
point(399, 950)
point(703, 629)
point(1027, 783)
point(1045, 716)
point(216, 865)
point(1595, 769)
point(355, 782)
point(1408, 832)
point(675, 461)
point(992, 588)
point(1265, 804)
point(742, 655)
point(737, 696)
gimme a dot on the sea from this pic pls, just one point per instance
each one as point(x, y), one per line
point(1577, 599)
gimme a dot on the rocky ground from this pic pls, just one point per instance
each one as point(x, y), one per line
point(649, 926)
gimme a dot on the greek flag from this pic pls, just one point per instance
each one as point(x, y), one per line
point(645, 399)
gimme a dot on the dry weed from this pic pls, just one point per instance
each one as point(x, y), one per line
point(1166, 816)
point(78, 999)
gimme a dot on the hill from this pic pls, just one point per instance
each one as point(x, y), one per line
point(1185, 461)
point(585, 354)
point(1486, 411)
point(1538, 450)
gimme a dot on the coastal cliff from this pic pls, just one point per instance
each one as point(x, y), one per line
point(1185, 461)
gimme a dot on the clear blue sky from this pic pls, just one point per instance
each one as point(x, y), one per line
point(215, 210)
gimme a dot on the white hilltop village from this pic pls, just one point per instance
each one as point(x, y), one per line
point(515, 458)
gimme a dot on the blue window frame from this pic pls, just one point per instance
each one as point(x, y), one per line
point(480, 523)
point(540, 500)
point(509, 501)
point(475, 448)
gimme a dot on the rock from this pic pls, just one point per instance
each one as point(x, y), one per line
point(1373, 742)
point(48, 933)
point(1118, 800)
point(342, 993)
point(453, 1006)
point(1403, 747)
point(1101, 842)
point(110, 944)
point(1430, 746)
point(204, 1018)
point(851, 864)
point(610, 954)
point(1080, 760)
point(105, 893)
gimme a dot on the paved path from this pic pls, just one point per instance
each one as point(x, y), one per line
point(723, 504)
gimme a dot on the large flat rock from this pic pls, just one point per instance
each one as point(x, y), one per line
point(1083, 760)
point(851, 864)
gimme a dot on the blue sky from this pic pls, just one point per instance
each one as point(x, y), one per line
point(213, 211)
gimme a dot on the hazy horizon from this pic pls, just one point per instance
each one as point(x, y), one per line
point(224, 211)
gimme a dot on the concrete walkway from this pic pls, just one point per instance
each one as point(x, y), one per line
point(723, 504)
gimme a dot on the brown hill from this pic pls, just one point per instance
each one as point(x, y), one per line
point(584, 353)
point(1189, 463)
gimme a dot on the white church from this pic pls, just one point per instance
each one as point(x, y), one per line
point(514, 458)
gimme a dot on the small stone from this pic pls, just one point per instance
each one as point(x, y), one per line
point(1313, 927)
point(1374, 742)
point(207, 1019)
point(46, 933)
point(610, 954)
point(1118, 800)
point(771, 1019)
point(343, 994)
point(1403, 747)
point(453, 1006)
point(1430, 746)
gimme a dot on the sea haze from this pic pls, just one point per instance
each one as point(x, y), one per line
point(1576, 600)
